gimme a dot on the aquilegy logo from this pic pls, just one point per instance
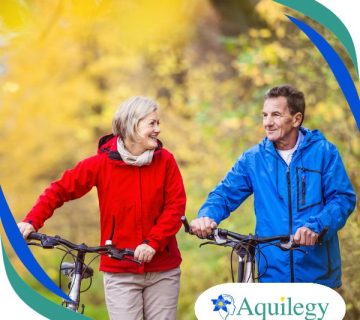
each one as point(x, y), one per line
point(270, 301)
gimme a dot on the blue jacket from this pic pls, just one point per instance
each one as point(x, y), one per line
point(313, 191)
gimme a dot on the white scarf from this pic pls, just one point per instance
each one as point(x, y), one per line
point(142, 160)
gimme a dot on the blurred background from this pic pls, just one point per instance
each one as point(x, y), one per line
point(66, 65)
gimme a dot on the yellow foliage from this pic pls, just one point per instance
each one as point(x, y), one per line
point(271, 11)
point(260, 33)
point(10, 87)
point(328, 112)
point(14, 14)
point(66, 65)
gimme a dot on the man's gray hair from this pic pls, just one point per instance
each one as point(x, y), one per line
point(129, 114)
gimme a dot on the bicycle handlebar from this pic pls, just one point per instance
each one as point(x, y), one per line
point(220, 237)
point(50, 242)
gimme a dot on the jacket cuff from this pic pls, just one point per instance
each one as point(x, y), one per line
point(35, 225)
point(315, 227)
point(153, 244)
point(206, 214)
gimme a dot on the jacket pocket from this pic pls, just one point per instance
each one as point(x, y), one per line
point(316, 265)
point(308, 188)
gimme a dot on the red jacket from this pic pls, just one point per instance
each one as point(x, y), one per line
point(145, 202)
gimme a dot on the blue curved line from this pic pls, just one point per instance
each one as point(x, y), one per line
point(336, 65)
point(22, 250)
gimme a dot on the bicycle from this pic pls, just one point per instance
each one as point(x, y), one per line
point(78, 270)
point(245, 247)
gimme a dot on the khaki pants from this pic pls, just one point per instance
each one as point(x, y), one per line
point(149, 296)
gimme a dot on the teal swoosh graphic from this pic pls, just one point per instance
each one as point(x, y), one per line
point(36, 301)
point(328, 19)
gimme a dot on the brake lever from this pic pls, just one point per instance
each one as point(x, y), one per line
point(218, 239)
point(290, 245)
point(33, 244)
point(207, 242)
point(285, 246)
point(297, 247)
point(49, 243)
point(133, 260)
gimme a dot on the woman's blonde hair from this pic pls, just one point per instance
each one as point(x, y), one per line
point(129, 114)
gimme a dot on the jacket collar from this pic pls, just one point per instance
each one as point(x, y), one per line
point(310, 136)
point(108, 145)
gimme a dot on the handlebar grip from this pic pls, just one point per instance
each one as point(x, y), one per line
point(123, 254)
point(186, 224)
point(35, 236)
point(322, 234)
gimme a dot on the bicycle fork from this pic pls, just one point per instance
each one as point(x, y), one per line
point(75, 284)
point(246, 265)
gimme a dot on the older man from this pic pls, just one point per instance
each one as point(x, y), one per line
point(300, 187)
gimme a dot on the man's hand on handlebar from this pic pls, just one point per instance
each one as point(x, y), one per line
point(202, 227)
point(25, 229)
point(305, 237)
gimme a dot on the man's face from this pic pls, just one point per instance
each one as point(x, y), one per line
point(280, 126)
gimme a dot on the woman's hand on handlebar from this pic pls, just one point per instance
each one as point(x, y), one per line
point(144, 253)
point(25, 229)
point(202, 227)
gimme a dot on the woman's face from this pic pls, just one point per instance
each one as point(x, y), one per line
point(148, 131)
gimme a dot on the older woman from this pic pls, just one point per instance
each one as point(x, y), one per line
point(141, 199)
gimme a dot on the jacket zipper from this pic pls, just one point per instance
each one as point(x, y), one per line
point(141, 266)
point(290, 223)
point(303, 186)
point(292, 277)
